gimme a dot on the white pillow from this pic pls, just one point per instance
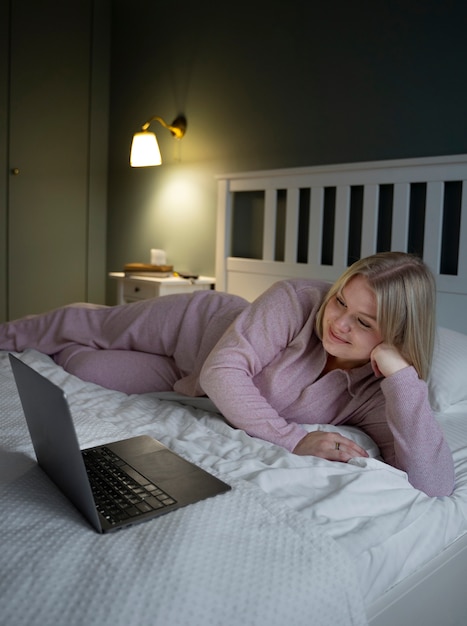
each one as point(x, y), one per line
point(448, 378)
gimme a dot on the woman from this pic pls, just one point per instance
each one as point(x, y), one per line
point(357, 353)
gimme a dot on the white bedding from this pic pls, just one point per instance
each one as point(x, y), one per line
point(287, 544)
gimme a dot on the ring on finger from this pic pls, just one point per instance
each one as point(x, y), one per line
point(338, 445)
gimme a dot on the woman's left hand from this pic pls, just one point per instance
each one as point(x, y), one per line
point(387, 360)
point(330, 446)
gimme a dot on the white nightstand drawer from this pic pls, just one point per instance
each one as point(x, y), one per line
point(133, 290)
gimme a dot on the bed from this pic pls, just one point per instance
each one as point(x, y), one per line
point(298, 540)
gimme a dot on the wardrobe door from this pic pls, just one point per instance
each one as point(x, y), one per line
point(49, 114)
point(4, 175)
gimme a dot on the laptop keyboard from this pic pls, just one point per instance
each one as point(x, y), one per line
point(119, 491)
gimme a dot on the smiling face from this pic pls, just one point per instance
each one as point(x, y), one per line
point(350, 331)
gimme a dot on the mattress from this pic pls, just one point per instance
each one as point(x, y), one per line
point(292, 535)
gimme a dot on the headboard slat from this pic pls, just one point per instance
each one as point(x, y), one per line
point(400, 217)
point(462, 269)
point(316, 225)
point(341, 226)
point(270, 214)
point(433, 224)
point(291, 227)
point(370, 219)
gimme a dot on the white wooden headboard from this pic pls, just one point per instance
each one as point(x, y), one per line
point(313, 222)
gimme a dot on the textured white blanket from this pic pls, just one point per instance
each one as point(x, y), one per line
point(299, 540)
point(241, 558)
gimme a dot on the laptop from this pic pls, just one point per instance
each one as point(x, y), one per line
point(114, 485)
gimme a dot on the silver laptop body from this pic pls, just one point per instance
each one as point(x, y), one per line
point(157, 479)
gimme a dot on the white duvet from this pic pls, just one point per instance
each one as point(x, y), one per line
point(287, 544)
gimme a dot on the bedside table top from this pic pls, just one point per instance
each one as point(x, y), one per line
point(169, 280)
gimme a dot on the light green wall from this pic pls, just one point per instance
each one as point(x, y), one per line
point(265, 85)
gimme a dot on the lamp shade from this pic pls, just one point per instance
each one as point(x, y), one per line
point(145, 150)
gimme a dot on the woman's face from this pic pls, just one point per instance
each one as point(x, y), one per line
point(350, 331)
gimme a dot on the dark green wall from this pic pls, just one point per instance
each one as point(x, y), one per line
point(269, 85)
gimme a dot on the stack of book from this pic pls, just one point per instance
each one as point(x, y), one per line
point(146, 269)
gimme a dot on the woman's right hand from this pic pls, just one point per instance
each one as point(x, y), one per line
point(330, 446)
point(387, 360)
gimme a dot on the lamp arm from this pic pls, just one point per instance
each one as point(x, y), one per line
point(177, 128)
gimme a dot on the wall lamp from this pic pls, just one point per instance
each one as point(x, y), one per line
point(144, 147)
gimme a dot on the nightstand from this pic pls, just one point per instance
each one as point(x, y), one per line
point(135, 288)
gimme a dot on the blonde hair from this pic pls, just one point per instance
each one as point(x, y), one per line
point(406, 300)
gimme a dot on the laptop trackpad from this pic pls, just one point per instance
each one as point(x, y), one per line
point(164, 465)
point(184, 481)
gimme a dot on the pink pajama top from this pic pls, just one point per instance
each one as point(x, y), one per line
point(263, 375)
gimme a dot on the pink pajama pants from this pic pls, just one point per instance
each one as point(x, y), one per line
point(152, 345)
